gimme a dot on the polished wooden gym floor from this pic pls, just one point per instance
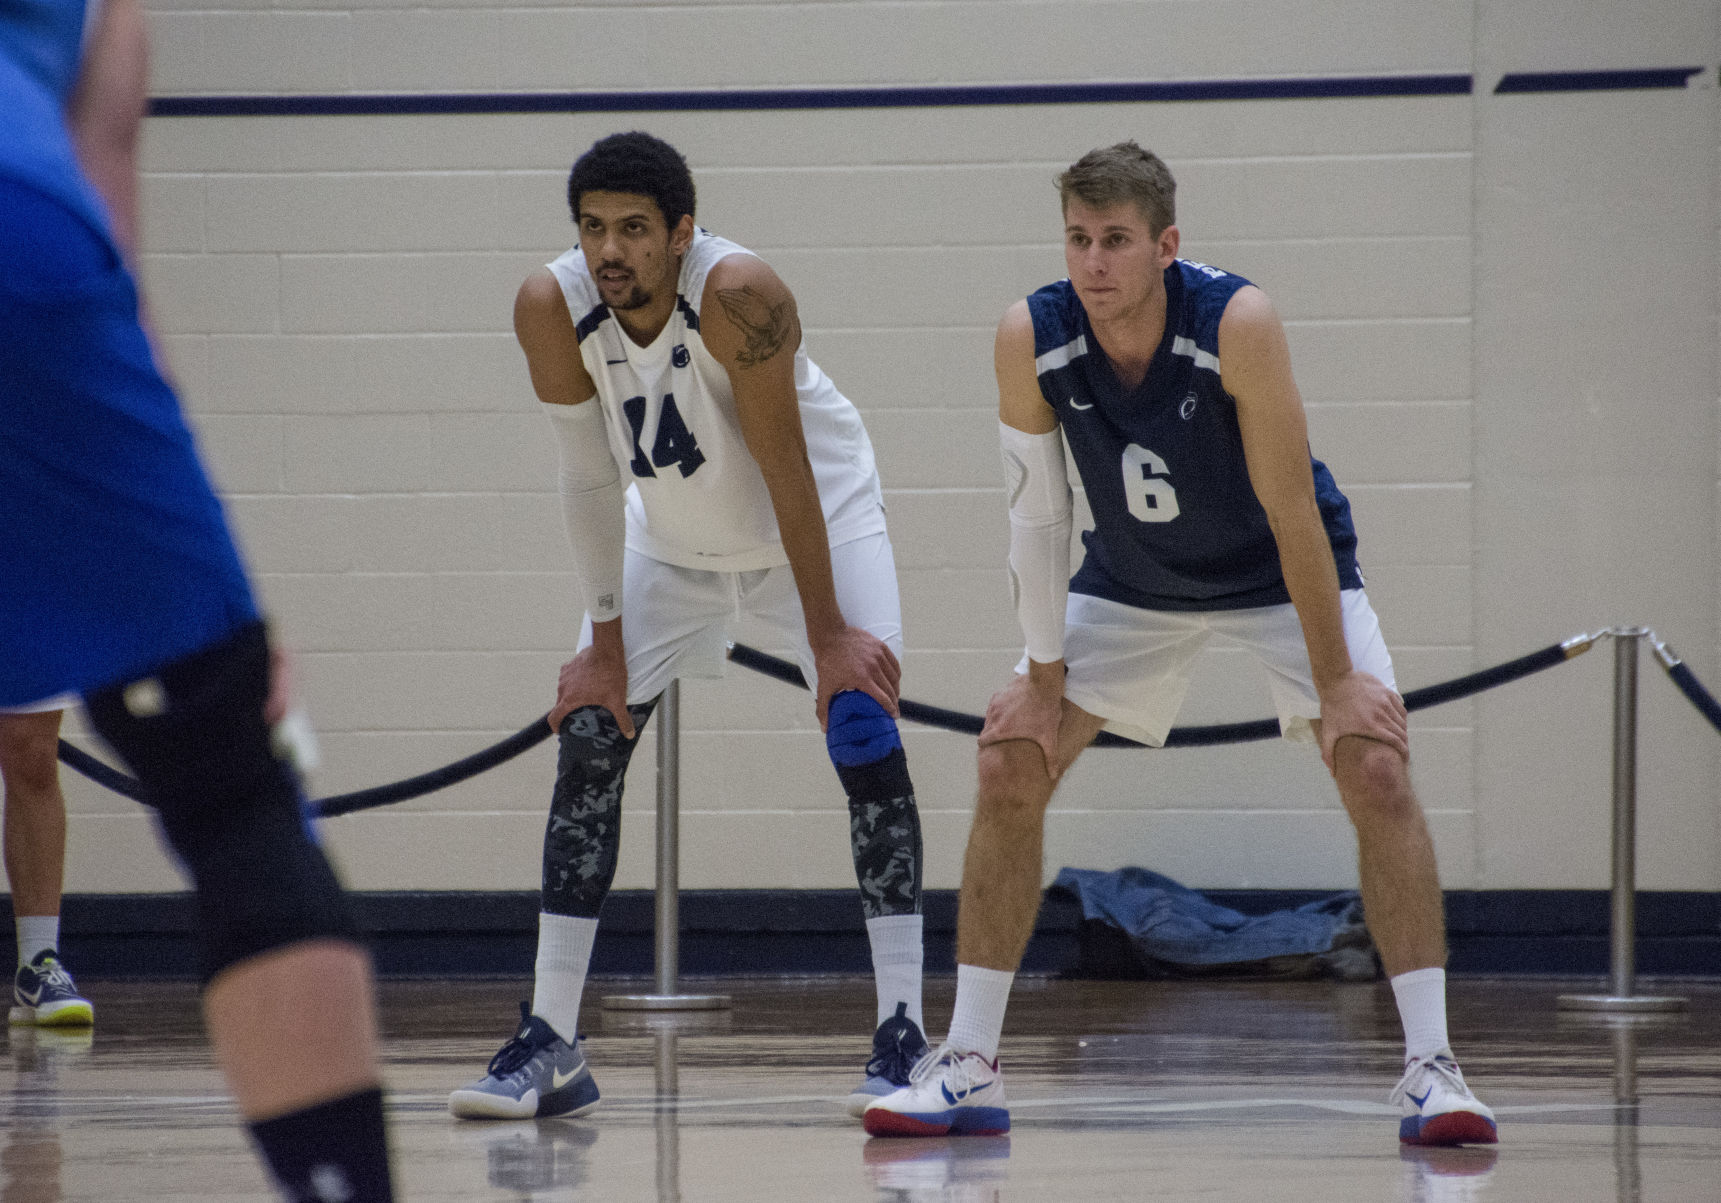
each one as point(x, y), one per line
point(1165, 1091)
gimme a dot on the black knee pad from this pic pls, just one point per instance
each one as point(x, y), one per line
point(582, 840)
point(195, 735)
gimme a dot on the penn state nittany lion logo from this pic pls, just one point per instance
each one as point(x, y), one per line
point(1187, 409)
point(679, 356)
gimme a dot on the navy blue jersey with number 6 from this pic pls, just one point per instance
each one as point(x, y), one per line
point(1177, 525)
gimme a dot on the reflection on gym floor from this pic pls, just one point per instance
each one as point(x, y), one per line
point(1119, 1090)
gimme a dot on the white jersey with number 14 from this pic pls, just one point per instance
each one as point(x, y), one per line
point(696, 497)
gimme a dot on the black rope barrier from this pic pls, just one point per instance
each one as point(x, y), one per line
point(102, 774)
point(449, 774)
point(1694, 692)
point(464, 769)
point(1216, 733)
point(1687, 683)
point(934, 716)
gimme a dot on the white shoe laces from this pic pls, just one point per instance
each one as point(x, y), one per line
point(961, 1075)
point(1439, 1066)
point(52, 973)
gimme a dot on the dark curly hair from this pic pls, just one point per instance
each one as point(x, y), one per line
point(634, 162)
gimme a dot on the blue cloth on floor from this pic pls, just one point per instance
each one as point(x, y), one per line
point(1170, 922)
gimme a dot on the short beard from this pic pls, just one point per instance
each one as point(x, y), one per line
point(639, 298)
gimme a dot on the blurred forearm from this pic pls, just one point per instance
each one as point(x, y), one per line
point(106, 113)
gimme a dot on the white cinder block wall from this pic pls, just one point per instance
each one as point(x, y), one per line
point(1502, 311)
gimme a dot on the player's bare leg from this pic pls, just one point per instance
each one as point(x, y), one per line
point(1402, 903)
point(42, 988)
point(35, 811)
point(1000, 896)
point(1400, 884)
point(294, 1027)
point(1002, 867)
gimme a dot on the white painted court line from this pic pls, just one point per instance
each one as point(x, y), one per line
point(684, 1103)
point(1343, 1106)
point(1105, 1103)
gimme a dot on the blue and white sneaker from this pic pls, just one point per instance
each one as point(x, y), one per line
point(896, 1047)
point(1438, 1107)
point(949, 1093)
point(536, 1073)
point(44, 994)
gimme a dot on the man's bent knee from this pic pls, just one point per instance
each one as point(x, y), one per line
point(1371, 775)
point(195, 735)
point(884, 823)
point(1013, 779)
point(29, 753)
point(582, 839)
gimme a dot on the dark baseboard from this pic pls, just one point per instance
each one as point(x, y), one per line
point(795, 932)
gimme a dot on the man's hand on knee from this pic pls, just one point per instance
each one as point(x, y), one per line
point(593, 678)
point(856, 659)
point(1025, 709)
point(1361, 704)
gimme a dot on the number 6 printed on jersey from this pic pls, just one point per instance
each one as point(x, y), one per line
point(1146, 490)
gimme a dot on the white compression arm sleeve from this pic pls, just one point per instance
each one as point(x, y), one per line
point(592, 505)
point(1040, 517)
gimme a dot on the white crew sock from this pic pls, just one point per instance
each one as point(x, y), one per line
point(981, 996)
point(36, 932)
point(564, 955)
point(896, 960)
point(1421, 995)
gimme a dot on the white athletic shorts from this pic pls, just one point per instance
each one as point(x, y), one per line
point(1130, 666)
point(675, 621)
point(64, 701)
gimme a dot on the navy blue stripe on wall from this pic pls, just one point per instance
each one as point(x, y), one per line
point(925, 96)
point(745, 99)
point(1596, 81)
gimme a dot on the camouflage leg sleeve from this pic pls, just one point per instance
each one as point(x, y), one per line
point(583, 838)
point(884, 834)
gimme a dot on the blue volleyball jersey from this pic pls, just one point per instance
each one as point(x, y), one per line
point(114, 553)
point(1177, 525)
point(41, 50)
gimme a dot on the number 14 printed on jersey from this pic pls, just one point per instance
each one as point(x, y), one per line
point(673, 444)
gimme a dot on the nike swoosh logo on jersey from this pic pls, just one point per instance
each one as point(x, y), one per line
point(615, 361)
point(1074, 405)
point(557, 1081)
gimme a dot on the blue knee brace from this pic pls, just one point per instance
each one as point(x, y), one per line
point(859, 731)
point(195, 735)
point(884, 822)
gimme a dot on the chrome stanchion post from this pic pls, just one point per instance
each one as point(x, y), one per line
point(1622, 940)
point(668, 1118)
point(1628, 1169)
point(668, 910)
point(668, 896)
point(1622, 930)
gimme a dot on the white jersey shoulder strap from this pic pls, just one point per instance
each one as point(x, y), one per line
point(585, 308)
point(707, 251)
